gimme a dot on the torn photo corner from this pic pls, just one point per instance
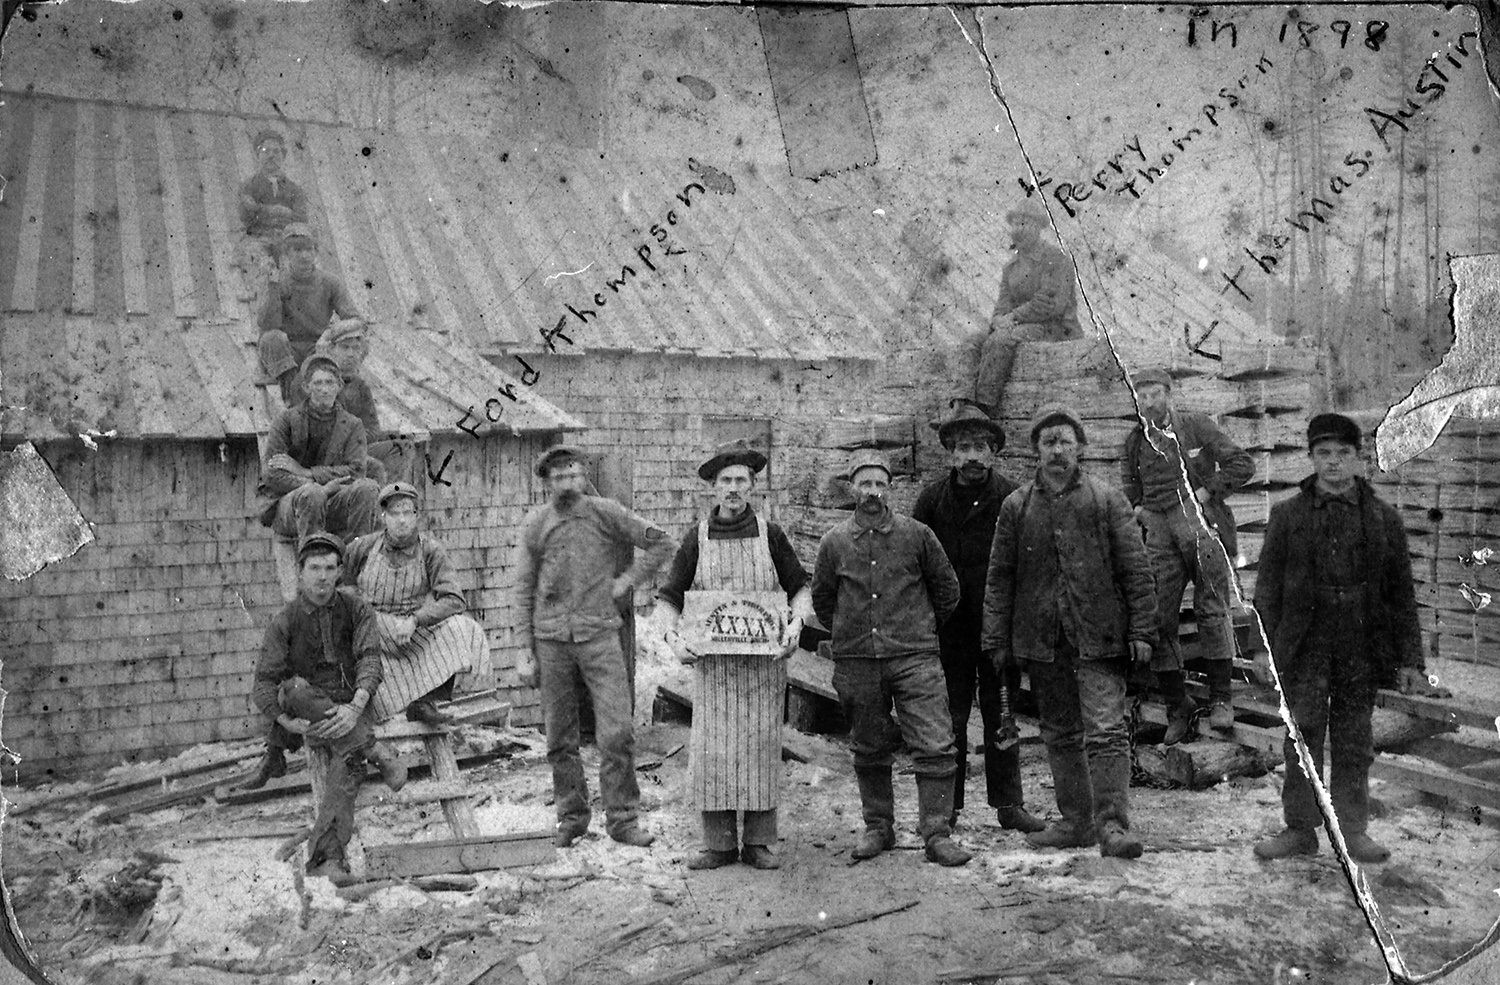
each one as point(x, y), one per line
point(647, 229)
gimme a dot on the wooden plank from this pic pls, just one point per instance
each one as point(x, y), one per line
point(23, 292)
point(396, 262)
point(1438, 710)
point(174, 213)
point(186, 795)
point(221, 215)
point(127, 193)
point(451, 855)
point(85, 210)
point(458, 811)
point(1435, 779)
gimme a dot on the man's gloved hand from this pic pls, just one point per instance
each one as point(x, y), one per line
point(1417, 683)
point(998, 659)
point(678, 644)
point(1140, 652)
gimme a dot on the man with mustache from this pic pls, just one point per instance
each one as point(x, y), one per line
point(738, 698)
point(1336, 599)
point(883, 586)
point(1070, 593)
point(1176, 469)
point(1037, 303)
point(961, 508)
point(566, 594)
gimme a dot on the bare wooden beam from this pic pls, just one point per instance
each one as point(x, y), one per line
point(449, 855)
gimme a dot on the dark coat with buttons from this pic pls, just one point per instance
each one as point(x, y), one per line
point(963, 518)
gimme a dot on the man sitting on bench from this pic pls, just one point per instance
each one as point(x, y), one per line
point(425, 639)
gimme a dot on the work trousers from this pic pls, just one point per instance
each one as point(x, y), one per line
point(868, 689)
point(344, 508)
point(1330, 685)
point(600, 666)
point(1182, 550)
point(997, 356)
point(966, 669)
point(1082, 708)
point(334, 825)
point(720, 832)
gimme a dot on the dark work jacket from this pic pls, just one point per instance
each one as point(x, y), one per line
point(293, 647)
point(1213, 462)
point(1284, 584)
point(964, 520)
point(1098, 592)
point(343, 456)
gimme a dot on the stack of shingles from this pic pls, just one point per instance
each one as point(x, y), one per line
point(1449, 498)
point(817, 498)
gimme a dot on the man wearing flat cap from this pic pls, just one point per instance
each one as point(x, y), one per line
point(1339, 610)
point(734, 556)
point(426, 641)
point(313, 476)
point(961, 509)
point(565, 593)
point(883, 586)
point(347, 341)
point(319, 667)
point(1176, 469)
point(1037, 303)
point(1069, 593)
point(297, 310)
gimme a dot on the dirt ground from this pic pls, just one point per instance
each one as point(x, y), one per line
point(1197, 908)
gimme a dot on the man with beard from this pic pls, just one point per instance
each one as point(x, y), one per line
point(883, 586)
point(1336, 598)
point(566, 596)
point(1177, 467)
point(738, 698)
point(297, 310)
point(961, 508)
point(1069, 592)
point(1037, 303)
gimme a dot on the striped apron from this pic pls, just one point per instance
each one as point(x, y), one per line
point(735, 749)
point(435, 653)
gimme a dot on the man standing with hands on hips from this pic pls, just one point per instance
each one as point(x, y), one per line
point(883, 586)
point(566, 598)
point(1069, 592)
point(738, 698)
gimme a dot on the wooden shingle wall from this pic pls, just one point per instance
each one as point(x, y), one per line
point(144, 642)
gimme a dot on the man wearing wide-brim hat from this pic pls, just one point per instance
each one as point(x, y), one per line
point(1037, 303)
point(1176, 469)
point(734, 555)
point(1339, 609)
point(883, 586)
point(566, 592)
point(298, 308)
point(427, 645)
point(961, 508)
point(1069, 593)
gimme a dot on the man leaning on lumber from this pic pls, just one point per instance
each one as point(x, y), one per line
point(1336, 599)
point(738, 698)
point(319, 667)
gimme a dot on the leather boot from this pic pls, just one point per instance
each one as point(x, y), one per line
point(877, 799)
point(392, 770)
point(1180, 721)
point(1363, 848)
point(424, 711)
point(273, 764)
point(1116, 842)
point(1075, 801)
point(1291, 841)
point(934, 804)
point(1018, 818)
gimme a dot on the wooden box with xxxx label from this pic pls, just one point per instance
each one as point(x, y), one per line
point(740, 623)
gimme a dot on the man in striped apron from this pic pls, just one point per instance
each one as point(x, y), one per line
point(425, 639)
point(735, 750)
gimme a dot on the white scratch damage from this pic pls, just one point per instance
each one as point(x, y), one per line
point(565, 273)
point(1474, 596)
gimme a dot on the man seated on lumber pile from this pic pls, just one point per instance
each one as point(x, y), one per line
point(425, 639)
point(1037, 303)
point(319, 667)
point(1339, 608)
point(1175, 471)
point(269, 202)
point(313, 477)
point(347, 342)
point(297, 310)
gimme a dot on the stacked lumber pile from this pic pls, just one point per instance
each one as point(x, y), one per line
point(1449, 498)
point(1261, 396)
point(817, 496)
